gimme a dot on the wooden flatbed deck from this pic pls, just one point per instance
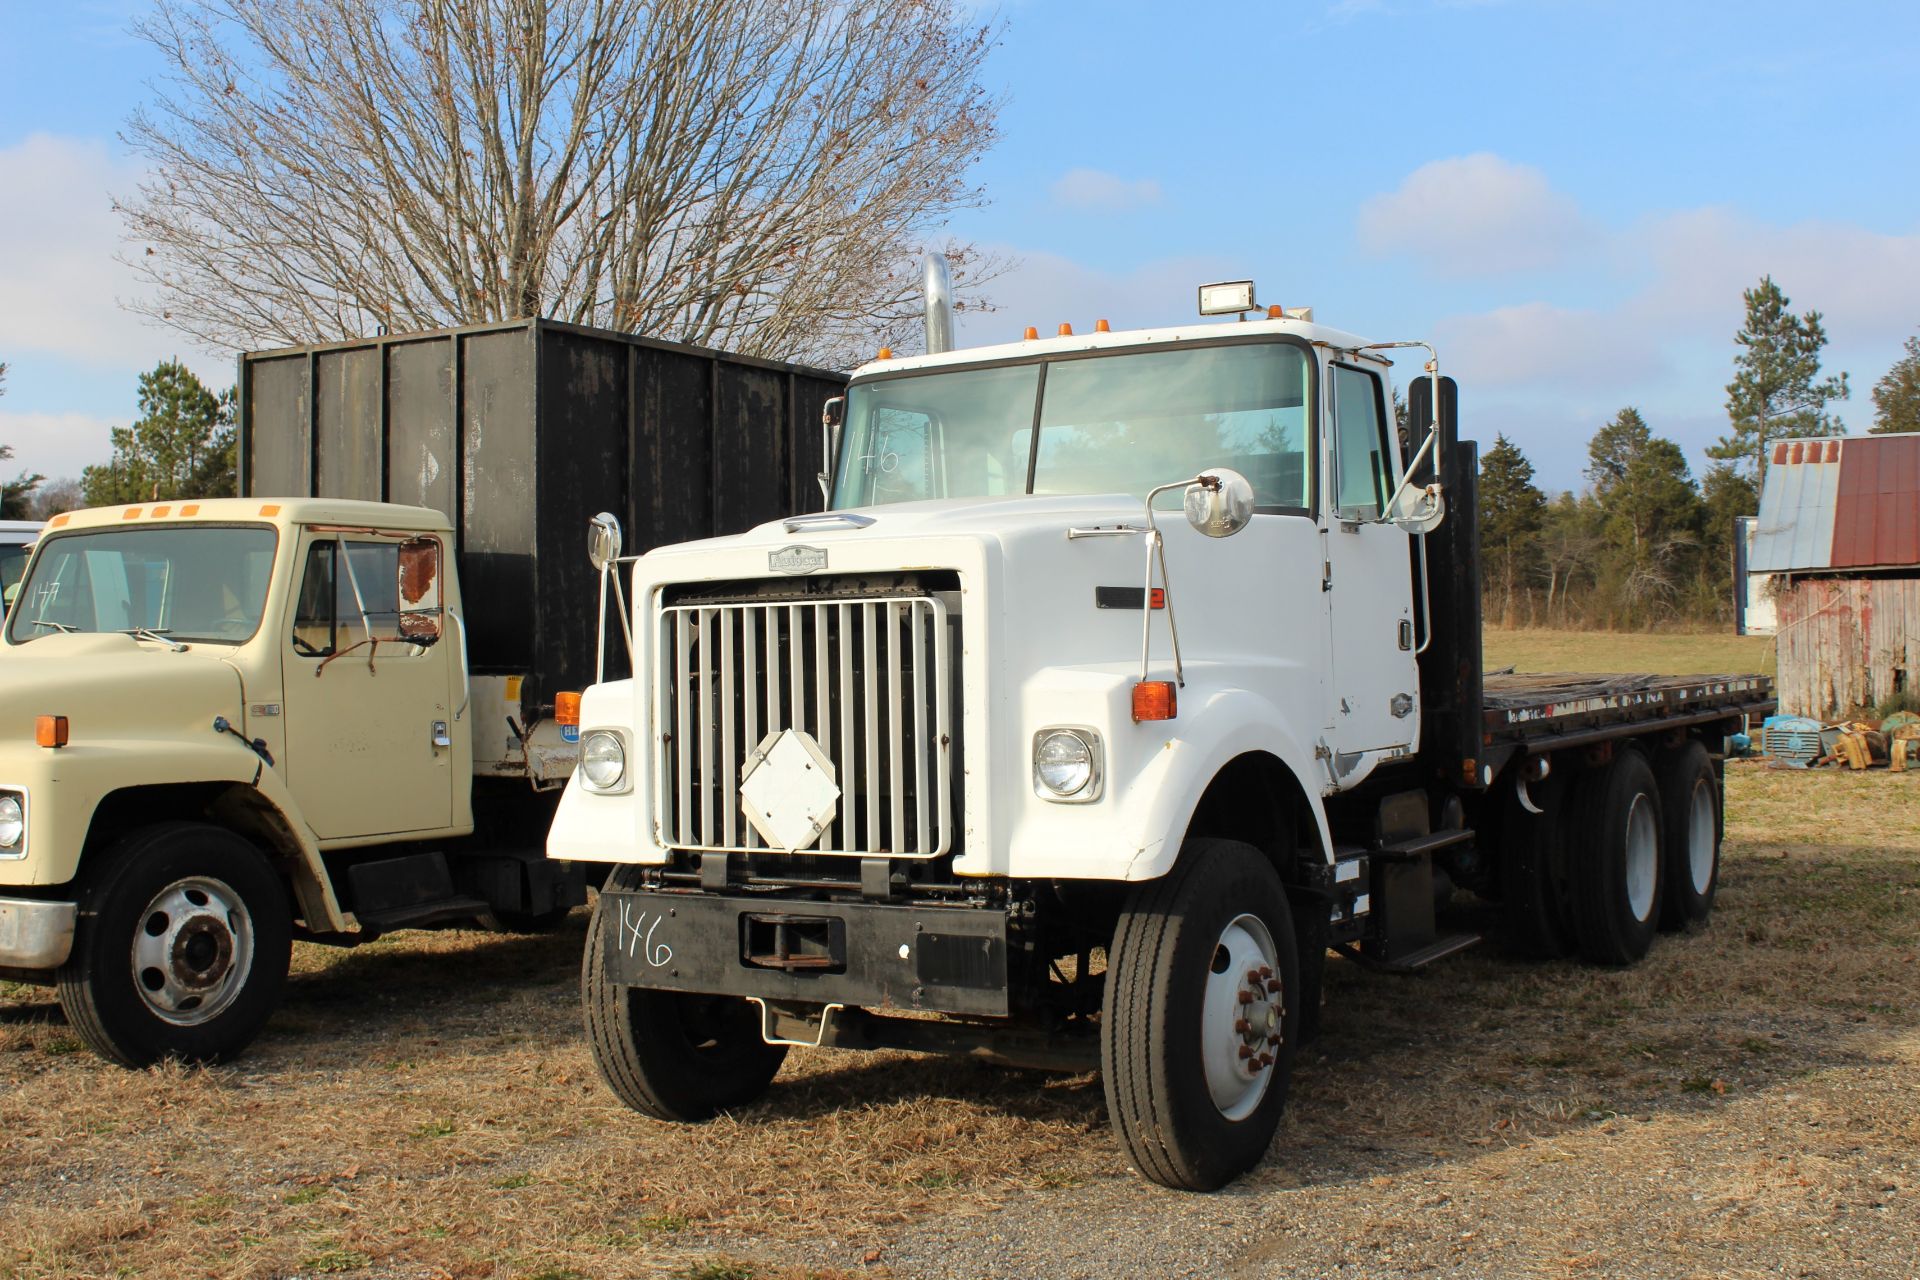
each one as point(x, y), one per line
point(1557, 710)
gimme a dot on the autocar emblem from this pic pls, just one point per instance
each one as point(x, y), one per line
point(798, 559)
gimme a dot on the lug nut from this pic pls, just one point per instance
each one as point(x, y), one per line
point(1273, 988)
point(1273, 1040)
point(1254, 976)
point(1245, 1052)
point(1246, 997)
point(1241, 1026)
point(1265, 973)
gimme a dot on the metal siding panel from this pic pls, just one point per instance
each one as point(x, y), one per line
point(277, 445)
point(423, 457)
point(580, 447)
point(497, 478)
point(671, 494)
point(749, 448)
point(347, 424)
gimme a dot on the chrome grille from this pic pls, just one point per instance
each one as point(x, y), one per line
point(869, 679)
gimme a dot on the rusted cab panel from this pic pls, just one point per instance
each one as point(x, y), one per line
point(520, 432)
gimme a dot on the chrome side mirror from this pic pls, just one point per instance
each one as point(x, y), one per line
point(603, 540)
point(1219, 503)
point(1419, 517)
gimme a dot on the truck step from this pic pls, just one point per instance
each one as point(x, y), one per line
point(1422, 846)
point(1438, 949)
point(416, 914)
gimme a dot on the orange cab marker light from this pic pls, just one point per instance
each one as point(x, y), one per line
point(1032, 333)
point(1066, 331)
point(191, 509)
point(270, 509)
point(157, 512)
point(566, 708)
point(886, 353)
point(131, 513)
point(1154, 700)
point(1101, 326)
point(59, 520)
point(1276, 312)
point(50, 731)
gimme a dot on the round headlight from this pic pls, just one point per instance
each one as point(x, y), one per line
point(603, 759)
point(1063, 762)
point(12, 822)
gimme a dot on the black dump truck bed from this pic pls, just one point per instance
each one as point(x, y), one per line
point(1548, 711)
point(519, 432)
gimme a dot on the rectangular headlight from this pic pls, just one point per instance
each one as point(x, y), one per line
point(1229, 298)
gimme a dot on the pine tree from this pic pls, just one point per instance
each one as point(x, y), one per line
point(1777, 392)
point(1511, 509)
point(1896, 397)
point(1613, 449)
point(1725, 495)
point(182, 446)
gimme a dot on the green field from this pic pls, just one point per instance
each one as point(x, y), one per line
point(1674, 654)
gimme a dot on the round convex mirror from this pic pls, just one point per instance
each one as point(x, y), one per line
point(603, 540)
point(1219, 503)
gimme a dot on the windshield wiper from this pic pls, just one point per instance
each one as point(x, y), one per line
point(148, 633)
point(62, 627)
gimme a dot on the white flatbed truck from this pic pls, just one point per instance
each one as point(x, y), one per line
point(1126, 676)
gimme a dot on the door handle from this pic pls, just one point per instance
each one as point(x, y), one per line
point(441, 738)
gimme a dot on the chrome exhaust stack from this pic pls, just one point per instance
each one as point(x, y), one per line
point(937, 285)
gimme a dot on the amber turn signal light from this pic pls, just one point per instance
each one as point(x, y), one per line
point(50, 731)
point(1154, 700)
point(566, 708)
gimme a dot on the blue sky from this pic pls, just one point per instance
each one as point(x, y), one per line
point(1566, 196)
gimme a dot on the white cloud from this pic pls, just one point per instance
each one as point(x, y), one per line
point(57, 445)
point(1536, 343)
point(60, 279)
point(1104, 192)
point(1475, 215)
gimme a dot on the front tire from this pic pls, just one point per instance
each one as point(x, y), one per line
point(669, 1054)
point(1201, 1017)
point(181, 947)
point(1617, 872)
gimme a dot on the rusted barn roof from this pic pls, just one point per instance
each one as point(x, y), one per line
point(1840, 503)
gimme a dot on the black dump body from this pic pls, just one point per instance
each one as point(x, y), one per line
point(519, 433)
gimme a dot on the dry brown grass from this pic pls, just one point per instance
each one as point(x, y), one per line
point(425, 1107)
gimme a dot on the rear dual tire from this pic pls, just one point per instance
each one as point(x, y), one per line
point(1690, 800)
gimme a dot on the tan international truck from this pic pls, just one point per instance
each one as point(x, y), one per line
point(230, 724)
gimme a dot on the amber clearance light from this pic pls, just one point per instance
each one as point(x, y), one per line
point(566, 708)
point(50, 731)
point(1154, 700)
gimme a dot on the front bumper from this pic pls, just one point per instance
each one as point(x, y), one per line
point(863, 955)
point(35, 934)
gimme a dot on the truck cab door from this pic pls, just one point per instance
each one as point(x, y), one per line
point(369, 689)
point(1373, 690)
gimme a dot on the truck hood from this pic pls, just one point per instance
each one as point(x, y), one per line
point(107, 685)
point(1004, 520)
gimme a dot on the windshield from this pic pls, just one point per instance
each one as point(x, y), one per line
point(185, 582)
point(1124, 422)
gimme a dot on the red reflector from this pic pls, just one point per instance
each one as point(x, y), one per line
point(50, 731)
point(1154, 700)
point(1158, 599)
point(566, 708)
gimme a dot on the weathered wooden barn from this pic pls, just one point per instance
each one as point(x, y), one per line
point(1839, 537)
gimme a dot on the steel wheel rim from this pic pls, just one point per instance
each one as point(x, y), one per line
point(1700, 838)
point(1242, 1017)
point(192, 951)
point(1642, 857)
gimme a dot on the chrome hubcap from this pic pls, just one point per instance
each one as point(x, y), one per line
point(192, 951)
point(1700, 838)
point(1643, 857)
point(1242, 1018)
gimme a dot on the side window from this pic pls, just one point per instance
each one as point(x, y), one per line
point(350, 593)
point(1363, 467)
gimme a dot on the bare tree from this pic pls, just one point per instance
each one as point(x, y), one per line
point(757, 175)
